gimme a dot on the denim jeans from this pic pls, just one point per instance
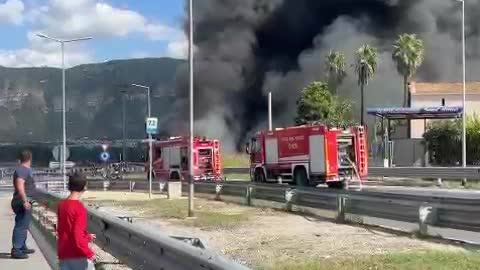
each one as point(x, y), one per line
point(22, 222)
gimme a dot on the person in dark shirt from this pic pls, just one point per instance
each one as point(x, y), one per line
point(22, 181)
point(72, 237)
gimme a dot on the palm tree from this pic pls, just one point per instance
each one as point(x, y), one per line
point(336, 69)
point(408, 53)
point(366, 64)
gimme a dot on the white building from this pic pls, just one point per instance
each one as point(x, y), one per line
point(442, 94)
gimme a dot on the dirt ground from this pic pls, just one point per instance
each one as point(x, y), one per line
point(271, 237)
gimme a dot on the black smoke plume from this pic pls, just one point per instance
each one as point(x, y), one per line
point(246, 48)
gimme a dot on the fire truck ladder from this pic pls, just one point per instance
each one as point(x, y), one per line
point(218, 165)
point(360, 167)
point(358, 178)
point(218, 162)
point(362, 143)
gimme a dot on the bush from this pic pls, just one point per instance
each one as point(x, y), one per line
point(444, 142)
point(473, 140)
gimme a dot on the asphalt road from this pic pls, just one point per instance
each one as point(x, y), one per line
point(6, 189)
point(402, 190)
point(426, 192)
point(36, 261)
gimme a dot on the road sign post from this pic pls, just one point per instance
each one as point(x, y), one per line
point(58, 155)
point(151, 128)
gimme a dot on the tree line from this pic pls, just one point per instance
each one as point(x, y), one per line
point(319, 101)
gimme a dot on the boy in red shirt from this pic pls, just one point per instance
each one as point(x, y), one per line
point(73, 250)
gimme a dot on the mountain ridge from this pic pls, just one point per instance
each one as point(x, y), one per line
point(30, 98)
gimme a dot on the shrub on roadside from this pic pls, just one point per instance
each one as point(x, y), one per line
point(444, 141)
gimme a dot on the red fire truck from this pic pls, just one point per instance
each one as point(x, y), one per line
point(170, 159)
point(309, 155)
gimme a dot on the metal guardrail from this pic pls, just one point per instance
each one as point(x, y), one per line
point(48, 181)
point(409, 172)
point(139, 248)
point(6, 172)
point(453, 213)
point(43, 229)
point(131, 168)
point(236, 170)
point(134, 167)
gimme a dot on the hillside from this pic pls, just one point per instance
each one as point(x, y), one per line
point(31, 100)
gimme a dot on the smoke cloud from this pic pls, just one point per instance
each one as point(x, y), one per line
point(244, 49)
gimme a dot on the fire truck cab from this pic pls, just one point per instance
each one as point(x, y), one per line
point(309, 155)
point(171, 159)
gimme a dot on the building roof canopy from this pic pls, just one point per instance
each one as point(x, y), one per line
point(441, 112)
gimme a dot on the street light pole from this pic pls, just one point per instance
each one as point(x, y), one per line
point(464, 118)
point(63, 158)
point(149, 105)
point(150, 139)
point(190, 67)
point(124, 128)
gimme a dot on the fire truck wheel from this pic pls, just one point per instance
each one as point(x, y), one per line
point(300, 177)
point(259, 176)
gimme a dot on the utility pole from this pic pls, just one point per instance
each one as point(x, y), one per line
point(270, 122)
point(150, 139)
point(124, 133)
point(124, 128)
point(190, 70)
point(64, 122)
point(464, 118)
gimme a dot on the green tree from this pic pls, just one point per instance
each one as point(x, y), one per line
point(444, 141)
point(336, 70)
point(366, 64)
point(408, 53)
point(317, 105)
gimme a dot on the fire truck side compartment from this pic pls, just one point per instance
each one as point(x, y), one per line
point(271, 145)
point(166, 157)
point(317, 154)
point(174, 157)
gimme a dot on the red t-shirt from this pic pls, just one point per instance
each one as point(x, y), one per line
point(72, 231)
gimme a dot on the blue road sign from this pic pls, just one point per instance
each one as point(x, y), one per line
point(104, 156)
point(152, 125)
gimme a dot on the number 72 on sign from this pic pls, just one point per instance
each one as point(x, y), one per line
point(152, 125)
